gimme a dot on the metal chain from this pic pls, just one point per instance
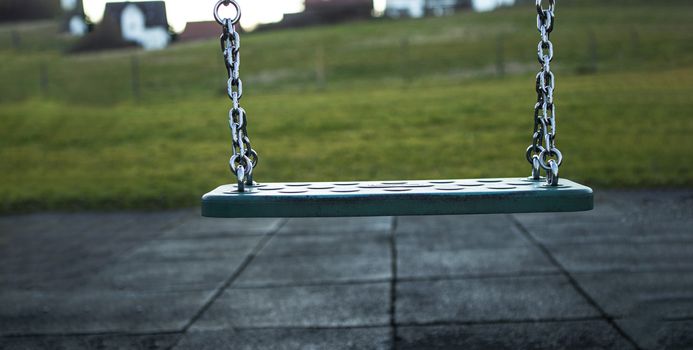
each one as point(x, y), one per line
point(244, 158)
point(543, 152)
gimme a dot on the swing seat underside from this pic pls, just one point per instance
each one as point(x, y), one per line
point(397, 198)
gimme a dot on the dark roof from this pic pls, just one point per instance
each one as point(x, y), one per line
point(154, 12)
point(318, 4)
point(79, 8)
point(68, 15)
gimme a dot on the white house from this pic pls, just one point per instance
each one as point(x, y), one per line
point(133, 24)
point(144, 23)
point(76, 23)
point(404, 8)
point(68, 5)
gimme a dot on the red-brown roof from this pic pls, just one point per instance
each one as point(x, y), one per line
point(200, 31)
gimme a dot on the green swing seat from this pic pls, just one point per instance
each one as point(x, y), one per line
point(397, 198)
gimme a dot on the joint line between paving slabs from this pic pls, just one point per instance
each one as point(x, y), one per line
point(499, 322)
point(573, 282)
point(393, 282)
point(266, 238)
point(87, 334)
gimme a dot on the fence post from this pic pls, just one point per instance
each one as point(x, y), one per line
point(16, 39)
point(43, 78)
point(135, 77)
point(404, 59)
point(320, 69)
point(500, 56)
point(593, 51)
point(635, 40)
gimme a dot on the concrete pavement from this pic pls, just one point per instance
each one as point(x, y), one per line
point(620, 277)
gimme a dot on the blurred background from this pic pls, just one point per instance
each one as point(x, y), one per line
point(108, 104)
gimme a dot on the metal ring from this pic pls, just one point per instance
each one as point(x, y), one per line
point(531, 152)
point(545, 153)
point(243, 159)
point(254, 159)
point(221, 3)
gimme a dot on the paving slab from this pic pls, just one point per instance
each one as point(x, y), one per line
point(620, 217)
point(225, 249)
point(135, 280)
point(65, 236)
point(355, 244)
point(436, 241)
point(365, 225)
point(27, 223)
point(311, 259)
point(85, 311)
point(490, 299)
point(540, 335)
point(670, 335)
point(650, 296)
point(625, 257)
point(288, 339)
point(654, 205)
point(194, 275)
point(44, 229)
point(101, 342)
point(586, 232)
point(66, 266)
point(267, 270)
point(454, 232)
point(605, 211)
point(199, 227)
point(75, 247)
point(518, 260)
point(177, 264)
point(355, 305)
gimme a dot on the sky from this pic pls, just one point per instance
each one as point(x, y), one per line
point(180, 12)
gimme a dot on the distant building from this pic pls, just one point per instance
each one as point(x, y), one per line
point(75, 21)
point(340, 8)
point(201, 31)
point(28, 10)
point(326, 12)
point(420, 8)
point(144, 23)
point(404, 8)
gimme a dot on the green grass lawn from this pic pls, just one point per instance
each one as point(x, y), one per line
point(403, 99)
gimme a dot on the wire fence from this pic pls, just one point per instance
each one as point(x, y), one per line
point(134, 75)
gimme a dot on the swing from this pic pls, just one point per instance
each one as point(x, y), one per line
point(247, 198)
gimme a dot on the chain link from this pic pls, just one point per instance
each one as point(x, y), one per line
point(244, 158)
point(543, 151)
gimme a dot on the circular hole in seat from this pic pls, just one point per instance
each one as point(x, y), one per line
point(449, 188)
point(400, 189)
point(345, 190)
point(290, 191)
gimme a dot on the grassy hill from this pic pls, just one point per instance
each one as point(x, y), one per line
point(400, 99)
